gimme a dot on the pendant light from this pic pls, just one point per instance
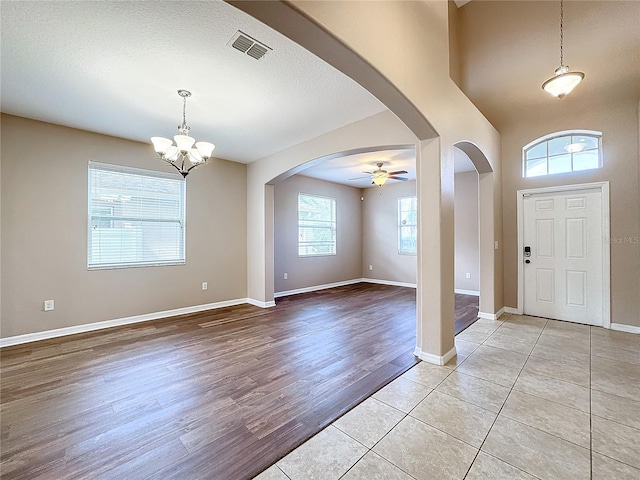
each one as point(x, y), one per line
point(563, 81)
point(181, 156)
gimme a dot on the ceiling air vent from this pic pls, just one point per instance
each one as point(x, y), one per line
point(246, 44)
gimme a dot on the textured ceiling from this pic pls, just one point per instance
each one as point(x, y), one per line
point(114, 68)
point(508, 49)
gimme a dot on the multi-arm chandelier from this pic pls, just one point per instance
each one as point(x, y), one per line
point(564, 81)
point(182, 156)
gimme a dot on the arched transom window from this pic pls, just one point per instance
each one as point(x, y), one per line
point(561, 152)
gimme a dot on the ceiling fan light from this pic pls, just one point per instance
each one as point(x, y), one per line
point(563, 82)
point(161, 144)
point(379, 180)
point(205, 149)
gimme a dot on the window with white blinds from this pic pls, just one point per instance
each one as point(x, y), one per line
point(136, 217)
point(408, 225)
point(316, 225)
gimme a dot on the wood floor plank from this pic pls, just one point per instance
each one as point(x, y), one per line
point(220, 394)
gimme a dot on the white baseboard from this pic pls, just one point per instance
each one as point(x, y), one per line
point(491, 316)
point(90, 327)
point(259, 303)
point(467, 292)
point(388, 282)
point(342, 284)
point(316, 287)
point(625, 328)
point(435, 359)
point(511, 310)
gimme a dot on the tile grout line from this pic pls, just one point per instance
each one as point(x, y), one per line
point(505, 401)
point(590, 413)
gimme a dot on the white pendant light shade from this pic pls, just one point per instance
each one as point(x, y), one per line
point(172, 153)
point(563, 82)
point(195, 157)
point(184, 142)
point(205, 149)
point(161, 144)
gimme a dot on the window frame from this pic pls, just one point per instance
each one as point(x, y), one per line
point(551, 136)
point(402, 251)
point(333, 222)
point(180, 220)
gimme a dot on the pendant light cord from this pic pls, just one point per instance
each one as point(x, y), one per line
point(561, 32)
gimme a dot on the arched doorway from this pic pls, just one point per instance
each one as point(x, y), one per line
point(414, 86)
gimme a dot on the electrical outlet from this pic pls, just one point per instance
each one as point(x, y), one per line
point(205, 285)
point(467, 275)
point(286, 276)
point(370, 267)
point(495, 245)
point(48, 305)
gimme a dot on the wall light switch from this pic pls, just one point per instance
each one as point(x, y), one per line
point(286, 276)
point(48, 305)
point(204, 285)
point(495, 245)
point(370, 267)
point(467, 275)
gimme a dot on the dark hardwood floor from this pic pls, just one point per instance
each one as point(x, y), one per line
point(215, 395)
point(466, 311)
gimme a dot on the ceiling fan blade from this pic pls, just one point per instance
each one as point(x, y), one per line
point(358, 178)
point(399, 172)
point(368, 173)
point(402, 179)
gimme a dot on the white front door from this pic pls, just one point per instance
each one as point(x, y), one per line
point(563, 255)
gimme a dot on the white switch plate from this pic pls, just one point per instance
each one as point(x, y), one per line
point(286, 276)
point(370, 267)
point(495, 245)
point(205, 285)
point(48, 305)
point(467, 275)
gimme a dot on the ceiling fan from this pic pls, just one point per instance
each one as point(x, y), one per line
point(379, 176)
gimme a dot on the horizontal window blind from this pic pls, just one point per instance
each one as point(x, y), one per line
point(316, 225)
point(136, 217)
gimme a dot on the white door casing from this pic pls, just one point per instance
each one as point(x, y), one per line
point(567, 277)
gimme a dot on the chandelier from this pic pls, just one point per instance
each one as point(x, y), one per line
point(564, 81)
point(182, 156)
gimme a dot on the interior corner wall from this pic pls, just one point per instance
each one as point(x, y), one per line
point(467, 237)
point(44, 233)
point(618, 123)
point(454, 45)
point(380, 234)
point(303, 272)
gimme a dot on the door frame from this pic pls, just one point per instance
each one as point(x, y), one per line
point(606, 247)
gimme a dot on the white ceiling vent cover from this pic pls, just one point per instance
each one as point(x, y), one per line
point(249, 45)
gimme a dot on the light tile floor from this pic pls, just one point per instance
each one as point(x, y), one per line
point(526, 398)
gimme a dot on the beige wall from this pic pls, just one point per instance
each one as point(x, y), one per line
point(619, 126)
point(467, 237)
point(311, 271)
point(44, 233)
point(380, 234)
point(413, 56)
